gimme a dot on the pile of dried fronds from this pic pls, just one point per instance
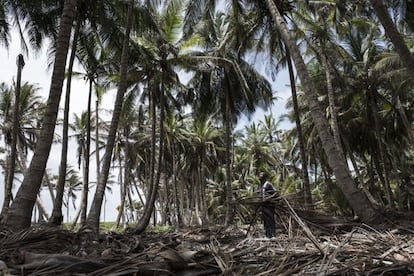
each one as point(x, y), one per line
point(317, 245)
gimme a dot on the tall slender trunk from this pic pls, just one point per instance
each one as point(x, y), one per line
point(202, 191)
point(303, 158)
point(146, 216)
point(152, 196)
point(332, 105)
point(95, 210)
point(19, 215)
point(228, 189)
point(12, 158)
point(97, 138)
point(57, 216)
point(177, 202)
point(86, 159)
point(337, 162)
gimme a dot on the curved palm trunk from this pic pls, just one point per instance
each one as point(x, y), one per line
point(144, 221)
point(95, 210)
point(57, 217)
point(153, 191)
point(395, 36)
point(20, 211)
point(357, 200)
point(305, 174)
point(12, 159)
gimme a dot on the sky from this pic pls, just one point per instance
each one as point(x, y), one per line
point(35, 72)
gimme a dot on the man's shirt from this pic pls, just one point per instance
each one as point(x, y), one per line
point(267, 190)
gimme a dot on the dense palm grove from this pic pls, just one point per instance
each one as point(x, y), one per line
point(184, 73)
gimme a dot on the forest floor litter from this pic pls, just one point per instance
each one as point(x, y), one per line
point(306, 243)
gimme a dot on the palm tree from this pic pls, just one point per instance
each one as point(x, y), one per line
point(357, 200)
point(227, 83)
point(122, 150)
point(19, 213)
point(57, 216)
point(395, 36)
point(73, 185)
point(30, 110)
point(29, 19)
point(95, 210)
point(15, 127)
point(81, 128)
point(206, 138)
point(167, 52)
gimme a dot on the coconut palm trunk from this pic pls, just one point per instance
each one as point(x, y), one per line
point(153, 191)
point(228, 188)
point(86, 159)
point(20, 212)
point(13, 151)
point(123, 190)
point(202, 191)
point(332, 105)
point(177, 202)
point(97, 145)
point(95, 210)
point(303, 158)
point(337, 162)
point(57, 216)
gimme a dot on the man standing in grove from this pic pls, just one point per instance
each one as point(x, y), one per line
point(267, 190)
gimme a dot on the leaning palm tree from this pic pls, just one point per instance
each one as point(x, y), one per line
point(358, 201)
point(57, 216)
point(19, 215)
